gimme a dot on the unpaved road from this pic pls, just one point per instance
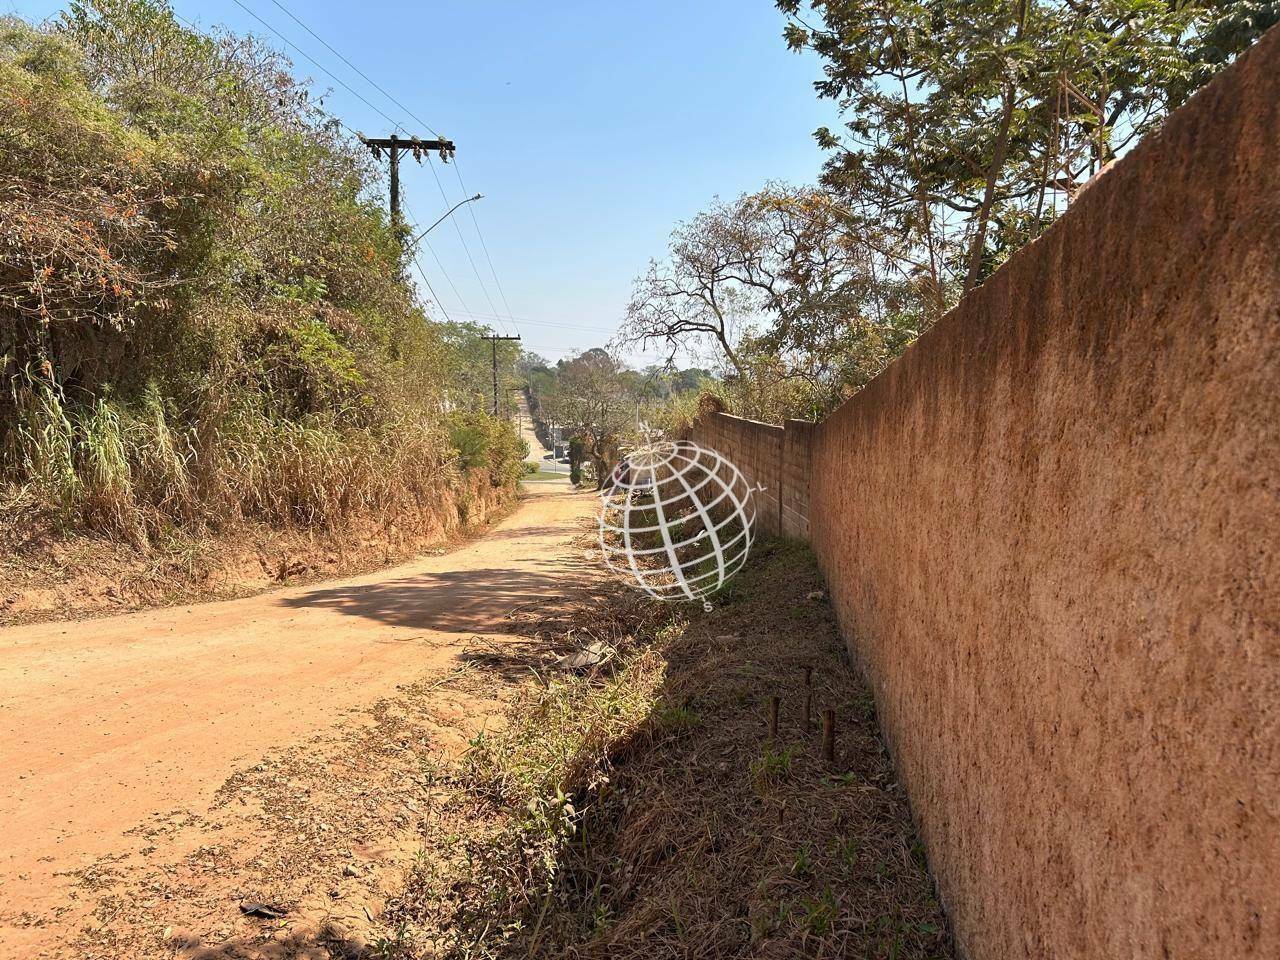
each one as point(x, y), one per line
point(107, 723)
point(537, 452)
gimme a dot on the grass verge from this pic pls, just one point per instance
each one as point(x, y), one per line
point(546, 475)
point(640, 809)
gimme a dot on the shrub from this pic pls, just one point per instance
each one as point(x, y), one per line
point(203, 311)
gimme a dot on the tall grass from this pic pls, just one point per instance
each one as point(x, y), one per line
point(42, 444)
point(136, 470)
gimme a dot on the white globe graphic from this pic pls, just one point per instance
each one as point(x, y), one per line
point(677, 519)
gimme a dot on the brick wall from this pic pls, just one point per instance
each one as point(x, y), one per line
point(1052, 536)
point(774, 457)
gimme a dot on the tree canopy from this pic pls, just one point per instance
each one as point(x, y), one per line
point(203, 310)
point(967, 128)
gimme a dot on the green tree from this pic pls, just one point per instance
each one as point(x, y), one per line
point(797, 295)
point(969, 126)
point(595, 398)
point(203, 312)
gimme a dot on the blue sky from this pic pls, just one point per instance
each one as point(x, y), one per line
point(591, 129)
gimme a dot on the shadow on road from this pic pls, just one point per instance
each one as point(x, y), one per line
point(329, 943)
point(467, 601)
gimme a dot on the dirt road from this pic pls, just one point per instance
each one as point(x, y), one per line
point(107, 725)
point(538, 453)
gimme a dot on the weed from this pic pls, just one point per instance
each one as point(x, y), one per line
point(616, 838)
point(395, 945)
point(919, 855)
point(674, 719)
point(818, 915)
point(846, 853)
point(802, 866)
point(773, 767)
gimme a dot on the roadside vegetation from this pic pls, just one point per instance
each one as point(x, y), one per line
point(602, 407)
point(637, 807)
point(204, 321)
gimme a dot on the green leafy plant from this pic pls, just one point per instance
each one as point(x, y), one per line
point(203, 312)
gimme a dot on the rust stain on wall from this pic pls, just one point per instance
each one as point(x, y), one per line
point(1052, 534)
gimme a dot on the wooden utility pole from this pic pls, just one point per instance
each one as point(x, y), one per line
point(394, 146)
point(493, 338)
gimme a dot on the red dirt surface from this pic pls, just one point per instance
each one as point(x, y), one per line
point(110, 729)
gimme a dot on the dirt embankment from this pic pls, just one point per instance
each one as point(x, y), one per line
point(48, 575)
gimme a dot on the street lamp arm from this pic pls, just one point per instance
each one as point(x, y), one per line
point(414, 242)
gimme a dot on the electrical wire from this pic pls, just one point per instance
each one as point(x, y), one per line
point(484, 246)
point(418, 266)
point(435, 298)
point(332, 117)
point(466, 249)
point(440, 186)
point(543, 323)
point(367, 79)
point(412, 219)
point(430, 249)
point(430, 289)
point(317, 63)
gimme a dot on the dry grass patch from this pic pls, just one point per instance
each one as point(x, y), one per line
point(52, 574)
point(641, 810)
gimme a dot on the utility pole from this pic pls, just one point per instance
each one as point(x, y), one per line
point(493, 338)
point(394, 146)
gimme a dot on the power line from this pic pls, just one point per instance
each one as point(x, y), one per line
point(542, 323)
point(436, 257)
point(430, 289)
point(564, 351)
point(381, 113)
point(369, 80)
point(484, 246)
point(430, 249)
point(440, 186)
point(417, 265)
point(317, 63)
point(465, 249)
point(435, 298)
point(336, 119)
point(493, 340)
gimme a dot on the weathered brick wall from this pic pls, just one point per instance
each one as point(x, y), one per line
point(794, 478)
point(776, 458)
point(1052, 536)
